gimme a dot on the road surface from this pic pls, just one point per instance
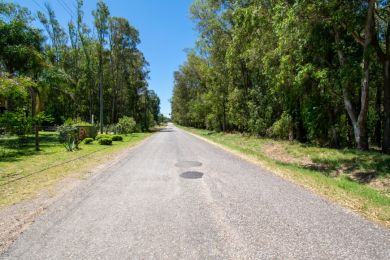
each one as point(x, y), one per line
point(178, 197)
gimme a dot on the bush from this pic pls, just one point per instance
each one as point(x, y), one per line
point(101, 136)
point(88, 140)
point(17, 123)
point(126, 125)
point(69, 137)
point(117, 138)
point(109, 129)
point(105, 141)
point(281, 128)
point(76, 122)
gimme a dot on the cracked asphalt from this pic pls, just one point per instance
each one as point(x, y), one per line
point(178, 197)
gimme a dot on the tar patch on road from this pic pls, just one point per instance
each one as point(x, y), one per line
point(188, 164)
point(191, 175)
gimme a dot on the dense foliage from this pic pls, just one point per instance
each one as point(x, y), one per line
point(314, 71)
point(69, 137)
point(105, 141)
point(94, 74)
point(126, 125)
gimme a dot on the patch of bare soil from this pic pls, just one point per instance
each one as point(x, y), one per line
point(15, 219)
point(278, 153)
point(381, 184)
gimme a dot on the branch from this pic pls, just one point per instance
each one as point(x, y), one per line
point(358, 38)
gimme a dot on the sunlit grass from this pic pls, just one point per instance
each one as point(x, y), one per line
point(24, 172)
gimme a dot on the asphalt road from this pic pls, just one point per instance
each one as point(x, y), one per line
point(178, 197)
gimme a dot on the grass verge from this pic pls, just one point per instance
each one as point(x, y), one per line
point(354, 179)
point(25, 172)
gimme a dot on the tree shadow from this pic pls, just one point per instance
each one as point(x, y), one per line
point(12, 149)
point(361, 167)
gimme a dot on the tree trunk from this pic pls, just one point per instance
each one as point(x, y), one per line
point(378, 108)
point(359, 121)
point(361, 134)
point(223, 117)
point(386, 103)
point(33, 114)
point(101, 92)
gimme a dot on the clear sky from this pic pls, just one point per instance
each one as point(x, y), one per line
point(165, 27)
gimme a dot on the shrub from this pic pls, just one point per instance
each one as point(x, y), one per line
point(77, 122)
point(105, 141)
point(110, 129)
point(69, 137)
point(117, 138)
point(17, 123)
point(126, 125)
point(281, 128)
point(88, 140)
point(101, 136)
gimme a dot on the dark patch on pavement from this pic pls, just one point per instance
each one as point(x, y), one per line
point(191, 175)
point(166, 130)
point(188, 164)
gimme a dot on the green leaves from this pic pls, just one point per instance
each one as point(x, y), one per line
point(15, 86)
point(69, 137)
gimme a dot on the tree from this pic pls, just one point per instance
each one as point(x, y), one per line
point(381, 43)
point(305, 68)
point(63, 74)
point(101, 15)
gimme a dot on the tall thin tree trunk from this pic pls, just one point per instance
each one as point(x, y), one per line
point(362, 137)
point(33, 114)
point(224, 116)
point(386, 105)
point(378, 108)
point(101, 91)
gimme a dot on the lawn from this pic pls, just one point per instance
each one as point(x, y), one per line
point(355, 179)
point(24, 172)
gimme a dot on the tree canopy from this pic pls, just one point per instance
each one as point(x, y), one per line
point(314, 71)
point(73, 72)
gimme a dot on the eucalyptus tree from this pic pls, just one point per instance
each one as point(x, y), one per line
point(57, 34)
point(123, 41)
point(101, 15)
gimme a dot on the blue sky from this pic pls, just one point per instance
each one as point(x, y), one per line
point(165, 27)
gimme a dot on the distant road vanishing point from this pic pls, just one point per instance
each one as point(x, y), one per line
point(178, 197)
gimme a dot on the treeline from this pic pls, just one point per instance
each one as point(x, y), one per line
point(313, 71)
point(95, 74)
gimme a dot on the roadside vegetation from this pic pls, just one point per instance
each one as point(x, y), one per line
point(312, 71)
point(301, 86)
point(59, 87)
point(359, 180)
point(90, 73)
point(24, 172)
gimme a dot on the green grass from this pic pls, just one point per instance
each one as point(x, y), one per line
point(24, 172)
point(344, 176)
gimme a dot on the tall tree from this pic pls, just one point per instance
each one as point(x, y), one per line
point(101, 15)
